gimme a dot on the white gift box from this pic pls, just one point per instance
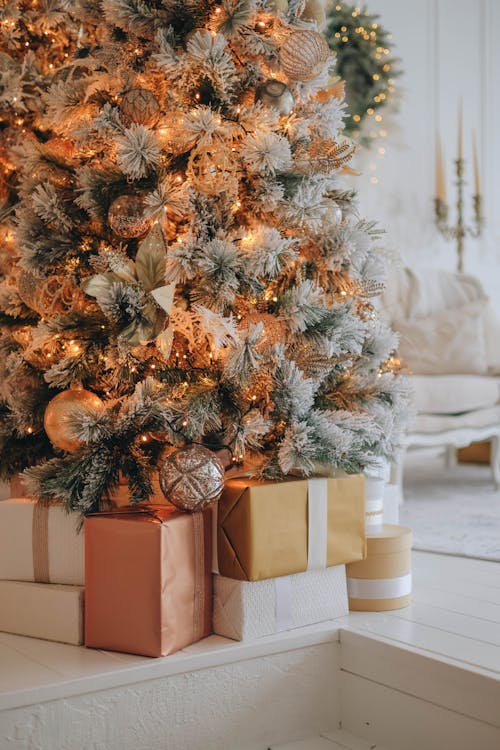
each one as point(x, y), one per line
point(40, 543)
point(42, 610)
point(244, 610)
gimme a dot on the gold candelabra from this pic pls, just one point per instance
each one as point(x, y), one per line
point(460, 230)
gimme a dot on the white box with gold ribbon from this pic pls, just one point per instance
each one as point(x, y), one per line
point(42, 610)
point(245, 610)
point(40, 543)
point(383, 580)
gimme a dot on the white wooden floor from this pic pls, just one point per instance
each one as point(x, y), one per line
point(453, 627)
point(455, 614)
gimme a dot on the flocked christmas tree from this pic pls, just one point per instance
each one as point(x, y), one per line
point(37, 38)
point(195, 271)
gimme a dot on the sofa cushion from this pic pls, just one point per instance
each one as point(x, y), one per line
point(448, 342)
point(454, 394)
point(436, 423)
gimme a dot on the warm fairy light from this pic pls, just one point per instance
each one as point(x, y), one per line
point(133, 369)
point(29, 430)
point(343, 293)
point(144, 438)
point(218, 11)
point(153, 366)
point(184, 422)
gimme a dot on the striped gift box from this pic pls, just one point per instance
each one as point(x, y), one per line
point(383, 580)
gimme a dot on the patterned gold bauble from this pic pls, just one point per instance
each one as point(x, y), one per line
point(140, 106)
point(211, 171)
point(277, 95)
point(191, 478)
point(49, 295)
point(59, 412)
point(126, 216)
point(303, 55)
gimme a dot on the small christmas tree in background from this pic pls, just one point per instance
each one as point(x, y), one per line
point(362, 49)
point(191, 268)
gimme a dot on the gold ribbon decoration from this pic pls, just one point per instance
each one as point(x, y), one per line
point(40, 542)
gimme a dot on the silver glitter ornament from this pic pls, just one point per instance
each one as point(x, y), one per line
point(191, 478)
point(277, 95)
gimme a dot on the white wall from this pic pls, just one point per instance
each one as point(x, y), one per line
point(448, 49)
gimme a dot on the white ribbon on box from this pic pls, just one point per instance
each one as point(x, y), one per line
point(284, 599)
point(379, 588)
point(317, 523)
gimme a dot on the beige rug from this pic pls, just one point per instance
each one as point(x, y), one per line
point(456, 511)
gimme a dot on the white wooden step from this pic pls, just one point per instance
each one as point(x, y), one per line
point(404, 697)
point(334, 740)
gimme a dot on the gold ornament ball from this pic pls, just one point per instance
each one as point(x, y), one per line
point(126, 216)
point(59, 412)
point(277, 95)
point(303, 55)
point(211, 171)
point(315, 11)
point(140, 106)
point(191, 478)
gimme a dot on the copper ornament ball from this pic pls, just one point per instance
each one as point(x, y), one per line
point(59, 412)
point(191, 478)
point(303, 55)
point(140, 106)
point(126, 216)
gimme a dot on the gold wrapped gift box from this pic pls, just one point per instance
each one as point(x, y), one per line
point(382, 581)
point(263, 527)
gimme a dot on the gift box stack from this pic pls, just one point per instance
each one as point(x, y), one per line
point(41, 571)
point(283, 555)
point(382, 581)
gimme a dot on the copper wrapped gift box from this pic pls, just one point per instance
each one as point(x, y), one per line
point(270, 529)
point(42, 610)
point(148, 579)
point(40, 542)
point(382, 581)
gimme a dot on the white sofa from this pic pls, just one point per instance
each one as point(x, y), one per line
point(450, 339)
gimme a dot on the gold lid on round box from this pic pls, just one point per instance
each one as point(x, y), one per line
point(382, 581)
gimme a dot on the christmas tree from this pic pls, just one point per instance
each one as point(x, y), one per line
point(37, 38)
point(194, 269)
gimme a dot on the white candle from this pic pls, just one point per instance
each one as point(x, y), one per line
point(460, 128)
point(477, 180)
point(440, 178)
